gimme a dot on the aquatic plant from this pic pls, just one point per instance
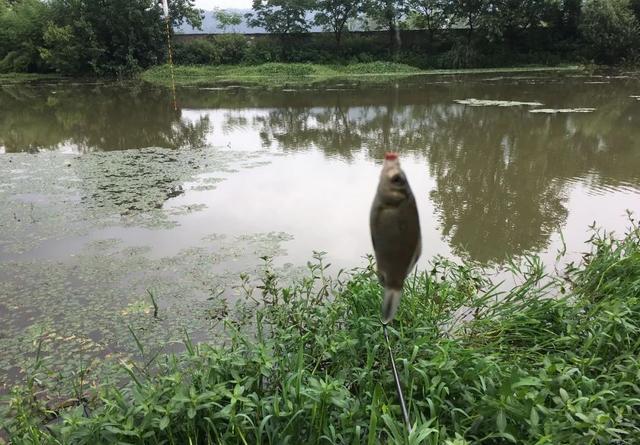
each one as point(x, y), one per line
point(552, 360)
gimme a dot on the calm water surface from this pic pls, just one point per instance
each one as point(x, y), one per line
point(106, 191)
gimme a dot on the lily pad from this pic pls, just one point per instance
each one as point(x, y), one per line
point(496, 103)
point(562, 110)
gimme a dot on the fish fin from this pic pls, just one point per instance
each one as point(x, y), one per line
point(390, 304)
point(416, 256)
point(380, 277)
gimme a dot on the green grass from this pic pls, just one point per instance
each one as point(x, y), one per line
point(296, 73)
point(554, 360)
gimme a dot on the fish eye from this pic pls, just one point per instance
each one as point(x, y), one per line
point(397, 179)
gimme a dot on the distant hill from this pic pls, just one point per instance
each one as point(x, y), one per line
point(210, 25)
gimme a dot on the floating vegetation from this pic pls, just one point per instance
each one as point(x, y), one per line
point(73, 289)
point(496, 103)
point(84, 308)
point(562, 110)
point(553, 360)
point(54, 196)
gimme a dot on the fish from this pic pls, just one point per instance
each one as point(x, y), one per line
point(395, 233)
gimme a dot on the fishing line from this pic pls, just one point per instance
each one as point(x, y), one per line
point(165, 7)
point(403, 406)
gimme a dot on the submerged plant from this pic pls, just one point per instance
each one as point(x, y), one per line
point(552, 360)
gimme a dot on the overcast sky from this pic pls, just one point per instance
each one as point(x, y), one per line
point(211, 4)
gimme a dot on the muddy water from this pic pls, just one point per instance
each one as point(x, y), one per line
point(106, 192)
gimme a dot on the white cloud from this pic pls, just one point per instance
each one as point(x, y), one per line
point(211, 4)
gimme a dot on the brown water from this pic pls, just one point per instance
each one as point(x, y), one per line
point(106, 191)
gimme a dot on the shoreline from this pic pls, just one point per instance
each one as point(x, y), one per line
point(16, 78)
point(307, 73)
point(278, 74)
point(553, 362)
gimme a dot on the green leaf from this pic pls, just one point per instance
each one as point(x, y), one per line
point(501, 421)
point(534, 418)
point(527, 381)
point(564, 395)
point(373, 419)
point(164, 422)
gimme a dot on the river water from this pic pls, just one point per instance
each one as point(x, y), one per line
point(107, 192)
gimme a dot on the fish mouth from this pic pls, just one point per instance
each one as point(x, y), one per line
point(395, 197)
point(400, 190)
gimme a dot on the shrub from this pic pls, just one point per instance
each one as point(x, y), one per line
point(462, 56)
point(197, 52)
point(215, 50)
point(232, 48)
point(263, 51)
point(70, 49)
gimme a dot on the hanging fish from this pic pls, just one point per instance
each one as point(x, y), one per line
point(395, 233)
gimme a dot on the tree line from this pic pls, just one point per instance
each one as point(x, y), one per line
point(455, 33)
point(597, 20)
point(121, 37)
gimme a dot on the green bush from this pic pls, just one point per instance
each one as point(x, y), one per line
point(220, 49)
point(463, 56)
point(610, 28)
point(445, 50)
point(70, 49)
point(231, 47)
point(263, 51)
point(197, 52)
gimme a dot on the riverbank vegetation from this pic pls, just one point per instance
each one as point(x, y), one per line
point(279, 74)
point(431, 34)
point(552, 360)
point(119, 38)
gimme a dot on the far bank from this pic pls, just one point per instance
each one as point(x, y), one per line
point(275, 74)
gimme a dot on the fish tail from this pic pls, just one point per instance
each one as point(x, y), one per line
point(390, 304)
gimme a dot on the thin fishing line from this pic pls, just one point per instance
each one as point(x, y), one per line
point(403, 406)
point(173, 80)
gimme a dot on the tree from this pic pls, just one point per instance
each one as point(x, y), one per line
point(113, 37)
point(469, 13)
point(507, 18)
point(635, 7)
point(109, 37)
point(106, 37)
point(333, 15)
point(570, 17)
point(386, 14)
point(227, 19)
point(71, 49)
point(429, 14)
point(21, 25)
point(184, 11)
point(611, 28)
point(280, 16)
